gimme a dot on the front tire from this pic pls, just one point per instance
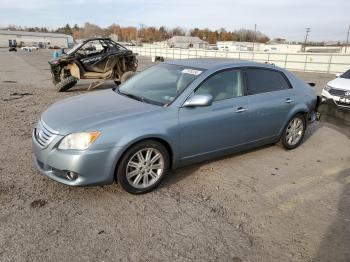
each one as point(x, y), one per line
point(143, 166)
point(294, 132)
point(66, 83)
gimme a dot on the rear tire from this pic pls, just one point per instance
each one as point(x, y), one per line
point(294, 132)
point(66, 83)
point(127, 75)
point(143, 166)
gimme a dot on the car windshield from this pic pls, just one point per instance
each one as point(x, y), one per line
point(159, 84)
point(346, 75)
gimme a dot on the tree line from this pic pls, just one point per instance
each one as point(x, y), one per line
point(150, 34)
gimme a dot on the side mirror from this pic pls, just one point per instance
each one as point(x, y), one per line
point(199, 100)
point(337, 75)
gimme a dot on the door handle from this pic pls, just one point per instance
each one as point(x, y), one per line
point(241, 110)
point(288, 101)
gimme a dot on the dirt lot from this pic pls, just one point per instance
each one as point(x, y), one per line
point(263, 205)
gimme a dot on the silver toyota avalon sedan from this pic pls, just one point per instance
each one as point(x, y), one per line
point(170, 115)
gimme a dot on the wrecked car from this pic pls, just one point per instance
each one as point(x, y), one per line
point(97, 58)
point(338, 90)
point(170, 115)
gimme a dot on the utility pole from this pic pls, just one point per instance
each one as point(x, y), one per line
point(308, 29)
point(347, 40)
point(254, 38)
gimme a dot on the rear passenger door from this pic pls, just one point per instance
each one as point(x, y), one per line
point(271, 98)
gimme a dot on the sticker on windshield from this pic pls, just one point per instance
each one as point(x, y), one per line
point(191, 71)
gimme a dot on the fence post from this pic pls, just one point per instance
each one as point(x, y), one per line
point(285, 61)
point(305, 62)
point(329, 63)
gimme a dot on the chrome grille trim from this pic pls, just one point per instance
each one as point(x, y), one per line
point(44, 134)
point(337, 92)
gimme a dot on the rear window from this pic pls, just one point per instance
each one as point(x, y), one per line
point(264, 80)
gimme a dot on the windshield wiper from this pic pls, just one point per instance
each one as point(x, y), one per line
point(135, 97)
point(138, 98)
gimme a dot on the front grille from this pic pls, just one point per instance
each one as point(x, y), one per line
point(337, 92)
point(44, 135)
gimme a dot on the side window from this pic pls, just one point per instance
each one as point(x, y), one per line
point(91, 47)
point(263, 80)
point(222, 85)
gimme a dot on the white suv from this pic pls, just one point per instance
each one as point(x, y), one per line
point(338, 90)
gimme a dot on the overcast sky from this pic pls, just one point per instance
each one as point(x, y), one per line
point(276, 18)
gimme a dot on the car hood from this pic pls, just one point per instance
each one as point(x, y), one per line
point(93, 110)
point(341, 83)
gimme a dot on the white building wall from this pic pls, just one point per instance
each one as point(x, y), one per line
point(235, 46)
point(283, 48)
point(258, 47)
point(34, 40)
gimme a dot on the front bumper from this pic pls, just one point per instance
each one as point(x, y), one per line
point(93, 167)
point(343, 102)
point(325, 95)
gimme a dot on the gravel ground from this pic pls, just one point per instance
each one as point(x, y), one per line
point(267, 204)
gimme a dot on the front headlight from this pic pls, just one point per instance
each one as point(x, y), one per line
point(327, 88)
point(78, 141)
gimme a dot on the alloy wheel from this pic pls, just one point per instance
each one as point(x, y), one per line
point(145, 168)
point(295, 131)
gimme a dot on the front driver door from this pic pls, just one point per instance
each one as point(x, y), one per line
point(218, 126)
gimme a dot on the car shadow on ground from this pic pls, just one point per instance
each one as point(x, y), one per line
point(335, 244)
point(335, 117)
point(336, 124)
point(179, 174)
point(311, 130)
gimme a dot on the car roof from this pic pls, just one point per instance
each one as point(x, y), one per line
point(216, 63)
point(96, 38)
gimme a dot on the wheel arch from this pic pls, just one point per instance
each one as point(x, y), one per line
point(161, 140)
point(303, 110)
point(304, 115)
point(74, 70)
